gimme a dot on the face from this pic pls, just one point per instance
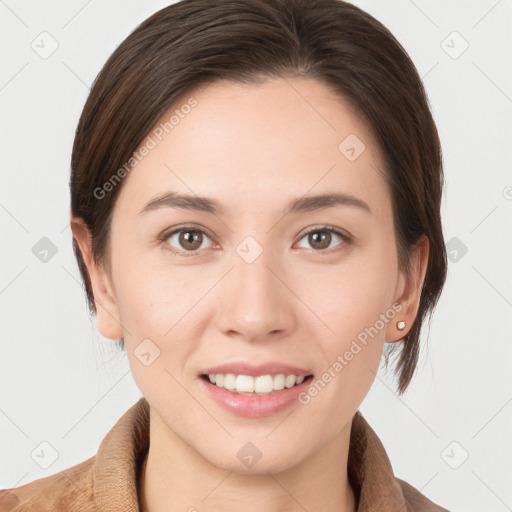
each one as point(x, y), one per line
point(259, 277)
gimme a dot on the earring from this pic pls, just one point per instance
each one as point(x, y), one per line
point(400, 325)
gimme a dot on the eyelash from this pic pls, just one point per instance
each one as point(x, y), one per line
point(347, 239)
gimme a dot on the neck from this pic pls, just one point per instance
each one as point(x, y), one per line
point(174, 477)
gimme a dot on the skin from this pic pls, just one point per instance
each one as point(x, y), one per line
point(253, 149)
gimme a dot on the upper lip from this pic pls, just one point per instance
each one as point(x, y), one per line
point(244, 368)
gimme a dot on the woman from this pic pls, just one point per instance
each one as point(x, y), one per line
point(255, 205)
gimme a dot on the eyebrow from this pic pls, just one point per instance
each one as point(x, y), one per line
point(208, 205)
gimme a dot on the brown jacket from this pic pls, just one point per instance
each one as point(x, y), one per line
point(107, 482)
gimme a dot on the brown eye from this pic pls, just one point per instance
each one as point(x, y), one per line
point(321, 238)
point(186, 240)
point(190, 240)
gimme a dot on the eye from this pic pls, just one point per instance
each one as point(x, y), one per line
point(320, 238)
point(189, 240)
point(186, 241)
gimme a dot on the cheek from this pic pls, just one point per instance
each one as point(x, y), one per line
point(152, 292)
point(351, 296)
point(167, 305)
point(354, 304)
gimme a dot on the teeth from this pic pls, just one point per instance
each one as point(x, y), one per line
point(248, 385)
point(229, 381)
point(264, 384)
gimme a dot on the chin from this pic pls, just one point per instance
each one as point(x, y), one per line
point(248, 457)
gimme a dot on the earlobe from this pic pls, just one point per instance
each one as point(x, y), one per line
point(410, 295)
point(107, 314)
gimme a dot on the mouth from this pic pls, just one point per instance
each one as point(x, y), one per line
point(260, 385)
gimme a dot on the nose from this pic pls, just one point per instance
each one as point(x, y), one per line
point(255, 303)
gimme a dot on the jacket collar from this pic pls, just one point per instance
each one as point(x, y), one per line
point(122, 451)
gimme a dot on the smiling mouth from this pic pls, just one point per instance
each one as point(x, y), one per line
point(256, 386)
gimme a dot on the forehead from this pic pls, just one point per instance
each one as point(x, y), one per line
point(273, 140)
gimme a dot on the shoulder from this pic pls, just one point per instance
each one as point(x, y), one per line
point(416, 501)
point(371, 474)
point(105, 481)
point(70, 489)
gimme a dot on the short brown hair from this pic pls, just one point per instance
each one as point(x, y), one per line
point(196, 42)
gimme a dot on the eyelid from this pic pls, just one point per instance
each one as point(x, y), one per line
point(327, 227)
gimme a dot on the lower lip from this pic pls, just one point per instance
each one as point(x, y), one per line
point(255, 406)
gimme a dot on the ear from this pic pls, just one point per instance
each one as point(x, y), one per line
point(107, 314)
point(408, 292)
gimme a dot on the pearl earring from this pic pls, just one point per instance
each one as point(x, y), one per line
point(400, 325)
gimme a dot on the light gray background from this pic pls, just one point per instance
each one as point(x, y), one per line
point(62, 383)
